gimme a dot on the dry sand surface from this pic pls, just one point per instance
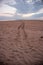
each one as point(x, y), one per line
point(21, 42)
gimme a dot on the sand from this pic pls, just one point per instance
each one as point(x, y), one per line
point(21, 42)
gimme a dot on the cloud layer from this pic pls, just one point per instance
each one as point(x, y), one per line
point(21, 9)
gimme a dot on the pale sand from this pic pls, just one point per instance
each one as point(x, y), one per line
point(21, 42)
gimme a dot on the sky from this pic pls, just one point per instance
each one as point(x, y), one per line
point(21, 9)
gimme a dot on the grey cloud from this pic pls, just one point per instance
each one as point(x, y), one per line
point(1, 1)
point(6, 18)
point(10, 18)
point(23, 7)
point(37, 15)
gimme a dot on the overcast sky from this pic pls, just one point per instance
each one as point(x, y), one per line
point(21, 9)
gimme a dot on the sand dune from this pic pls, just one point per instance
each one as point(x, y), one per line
point(21, 42)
